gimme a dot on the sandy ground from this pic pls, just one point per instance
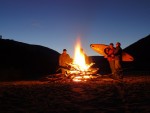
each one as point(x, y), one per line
point(100, 95)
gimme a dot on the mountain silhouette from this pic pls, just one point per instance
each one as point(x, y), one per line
point(140, 51)
point(25, 61)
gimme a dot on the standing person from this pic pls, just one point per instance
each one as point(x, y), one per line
point(64, 59)
point(118, 60)
point(111, 58)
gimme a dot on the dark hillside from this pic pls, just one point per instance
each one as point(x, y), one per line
point(24, 61)
point(101, 63)
point(140, 51)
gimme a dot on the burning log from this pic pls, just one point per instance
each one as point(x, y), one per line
point(77, 74)
point(75, 69)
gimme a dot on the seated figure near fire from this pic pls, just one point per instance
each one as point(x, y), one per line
point(64, 60)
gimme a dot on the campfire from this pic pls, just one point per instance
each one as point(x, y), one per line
point(80, 70)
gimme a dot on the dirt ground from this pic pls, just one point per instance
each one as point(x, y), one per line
point(100, 95)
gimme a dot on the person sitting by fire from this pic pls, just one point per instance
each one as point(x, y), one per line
point(109, 51)
point(64, 60)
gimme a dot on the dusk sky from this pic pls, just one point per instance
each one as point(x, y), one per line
point(57, 24)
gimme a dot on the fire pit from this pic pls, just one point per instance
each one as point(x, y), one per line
point(80, 70)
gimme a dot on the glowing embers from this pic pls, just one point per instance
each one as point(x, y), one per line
point(81, 78)
point(78, 78)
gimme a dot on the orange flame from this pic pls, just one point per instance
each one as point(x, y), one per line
point(79, 57)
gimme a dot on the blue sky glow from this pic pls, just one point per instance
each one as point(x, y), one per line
point(56, 24)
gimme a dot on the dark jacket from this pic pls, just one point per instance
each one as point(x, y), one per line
point(118, 53)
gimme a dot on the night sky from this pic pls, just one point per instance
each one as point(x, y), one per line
point(57, 24)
